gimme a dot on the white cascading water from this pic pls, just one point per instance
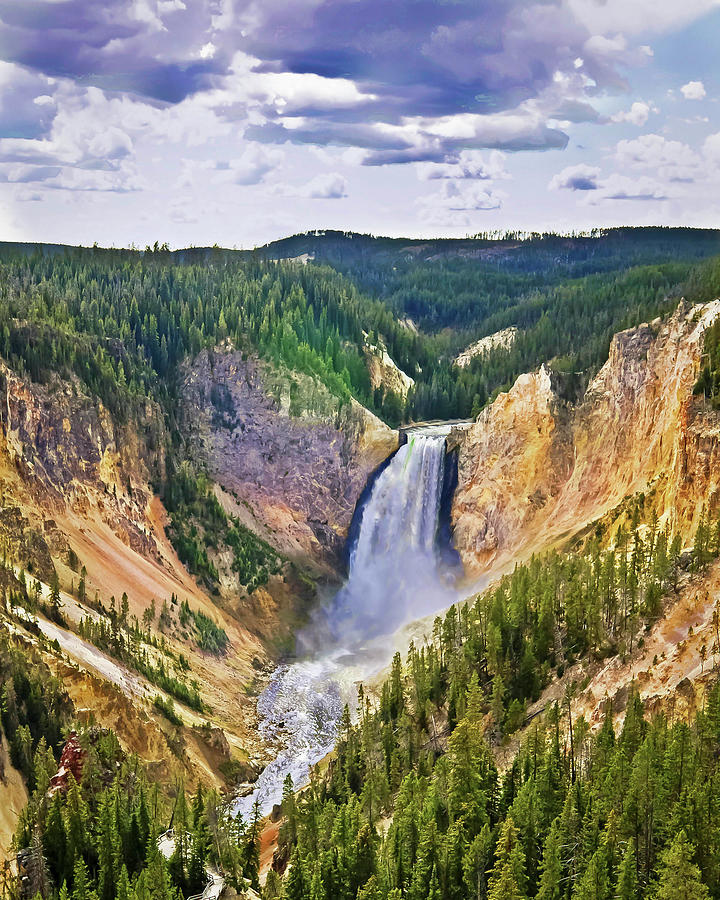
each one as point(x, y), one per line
point(394, 578)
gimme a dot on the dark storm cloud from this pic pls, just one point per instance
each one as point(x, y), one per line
point(421, 58)
point(403, 81)
point(115, 45)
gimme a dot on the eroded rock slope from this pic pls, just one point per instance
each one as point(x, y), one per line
point(535, 468)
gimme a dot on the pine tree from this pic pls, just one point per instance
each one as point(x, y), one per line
point(433, 892)
point(497, 704)
point(251, 850)
point(108, 849)
point(627, 883)
point(196, 875)
point(679, 876)
point(476, 862)
point(294, 887)
point(81, 881)
point(551, 867)
point(36, 867)
point(594, 883)
point(54, 592)
point(317, 891)
point(124, 890)
point(178, 862)
point(505, 887)
point(55, 841)
point(508, 873)
point(77, 820)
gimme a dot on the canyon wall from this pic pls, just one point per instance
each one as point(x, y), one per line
point(290, 457)
point(536, 468)
point(290, 461)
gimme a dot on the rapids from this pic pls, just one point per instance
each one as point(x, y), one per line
point(395, 576)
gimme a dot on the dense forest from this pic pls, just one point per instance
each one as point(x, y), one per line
point(122, 321)
point(414, 806)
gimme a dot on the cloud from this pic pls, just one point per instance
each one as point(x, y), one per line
point(671, 160)
point(638, 114)
point(640, 16)
point(661, 169)
point(26, 102)
point(622, 187)
point(119, 181)
point(182, 212)
point(23, 174)
point(597, 189)
point(120, 95)
point(403, 82)
point(254, 164)
point(456, 196)
point(328, 186)
point(467, 164)
point(711, 149)
point(576, 178)
point(693, 90)
point(418, 139)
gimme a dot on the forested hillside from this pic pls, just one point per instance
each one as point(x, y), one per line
point(415, 805)
point(91, 826)
point(566, 295)
point(123, 320)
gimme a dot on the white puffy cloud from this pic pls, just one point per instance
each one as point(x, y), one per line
point(671, 160)
point(91, 131)
point(252, 167)
point(598, 189)
point(711, 148)
point(638, 114)
point(459, 196)
point(254, 164)
point(623, 187)
point(328, 186)
point(468, 164)
point(693, 90)
point(651, 168)
point(168, 6)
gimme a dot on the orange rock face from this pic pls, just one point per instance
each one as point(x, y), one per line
point(535, 468)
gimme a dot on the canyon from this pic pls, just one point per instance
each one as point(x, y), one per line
point(549, 464)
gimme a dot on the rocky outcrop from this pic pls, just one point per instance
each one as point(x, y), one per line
point(384, 372)
point(291, 458)
point(72, 761)
point(499, 340)
point(71, 454)
point(535, 468)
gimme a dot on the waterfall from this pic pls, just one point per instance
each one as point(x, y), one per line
point(395, 576)
point(394, 565)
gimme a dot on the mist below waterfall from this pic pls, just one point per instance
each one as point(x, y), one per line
point(396, 575)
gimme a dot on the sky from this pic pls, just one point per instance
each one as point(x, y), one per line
point(236, 122)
